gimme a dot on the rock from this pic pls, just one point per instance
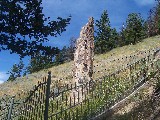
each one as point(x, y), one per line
point(84, 53)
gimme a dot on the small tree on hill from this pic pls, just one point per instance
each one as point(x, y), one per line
point(157, 17)
point(134, 31)
point(114, 39)
point(16, 71)
point(103, 33)
point(41, 61)
point(67, 53)
point(121, 40)
point(59, 58)
point(153, 20)
point(150, 23)
point(71, 49)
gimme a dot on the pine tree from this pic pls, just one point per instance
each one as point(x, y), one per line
point(113, 40)
point(59, 58)
point(41, 61)
point(134, 31)
point(157, 17)
point(121, 40)
point(71, 49)
point(67, 53)
point(16, 71)
point(24, 27)
point(153, 21)
point(151, 26)
point(103, 33)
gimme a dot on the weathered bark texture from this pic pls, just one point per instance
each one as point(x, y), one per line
point(83, 56)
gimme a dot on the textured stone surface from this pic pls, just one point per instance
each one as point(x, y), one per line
point(83, 56)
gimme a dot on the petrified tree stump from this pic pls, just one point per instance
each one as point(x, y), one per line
point(83, 61)
point(83, 56)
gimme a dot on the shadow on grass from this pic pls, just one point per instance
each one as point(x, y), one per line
point(141, 111)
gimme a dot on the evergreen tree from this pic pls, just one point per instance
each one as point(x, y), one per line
point(157, 17)
point(103, 33)
point(146, 29)
point(114, 39)
point(153, 21)
point(36, 63)
point(66, 54)
point(134, 31)
point(71, 49)
point(121, 40)
point(41, 61)
point(24, 28)
point(151, 26)
point(59, 58)
point(16, 71)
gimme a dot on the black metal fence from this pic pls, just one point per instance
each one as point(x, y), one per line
point(80, 102)
point(31, 107)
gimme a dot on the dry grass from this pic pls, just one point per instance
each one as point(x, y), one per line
point(140, 106)
point(103, 64)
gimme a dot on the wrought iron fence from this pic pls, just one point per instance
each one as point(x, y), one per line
point(82, 102)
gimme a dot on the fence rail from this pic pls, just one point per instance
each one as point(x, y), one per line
point(82, 102)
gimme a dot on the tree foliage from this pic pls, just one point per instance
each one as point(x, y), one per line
point(153, 21)
point(24, 27)
point(16, 71)
point(121, 39)
point(67, 53)
point(134, 30)
point(40, 61)
point(158, 16)
point(113, 40)
point(103, 32)
point(106, 38)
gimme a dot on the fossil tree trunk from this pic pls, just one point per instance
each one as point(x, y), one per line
point(83, 56)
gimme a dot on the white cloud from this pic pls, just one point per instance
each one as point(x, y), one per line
point(3, 77)
point(145, 2)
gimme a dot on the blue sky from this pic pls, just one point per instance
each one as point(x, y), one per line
point(80, 10)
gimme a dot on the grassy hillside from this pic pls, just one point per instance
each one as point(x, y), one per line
point(139, 106)
point(103, 64)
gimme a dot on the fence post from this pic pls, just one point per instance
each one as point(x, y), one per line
point(47, 96)
point(10, 109)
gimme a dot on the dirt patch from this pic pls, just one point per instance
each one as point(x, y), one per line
point(140, 106)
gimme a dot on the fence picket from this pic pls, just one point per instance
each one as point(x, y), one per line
point(74, 102)
point(10, 109)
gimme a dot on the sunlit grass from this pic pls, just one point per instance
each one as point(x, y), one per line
point(64, 71)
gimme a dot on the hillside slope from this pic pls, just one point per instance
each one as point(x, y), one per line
point(103, 64)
